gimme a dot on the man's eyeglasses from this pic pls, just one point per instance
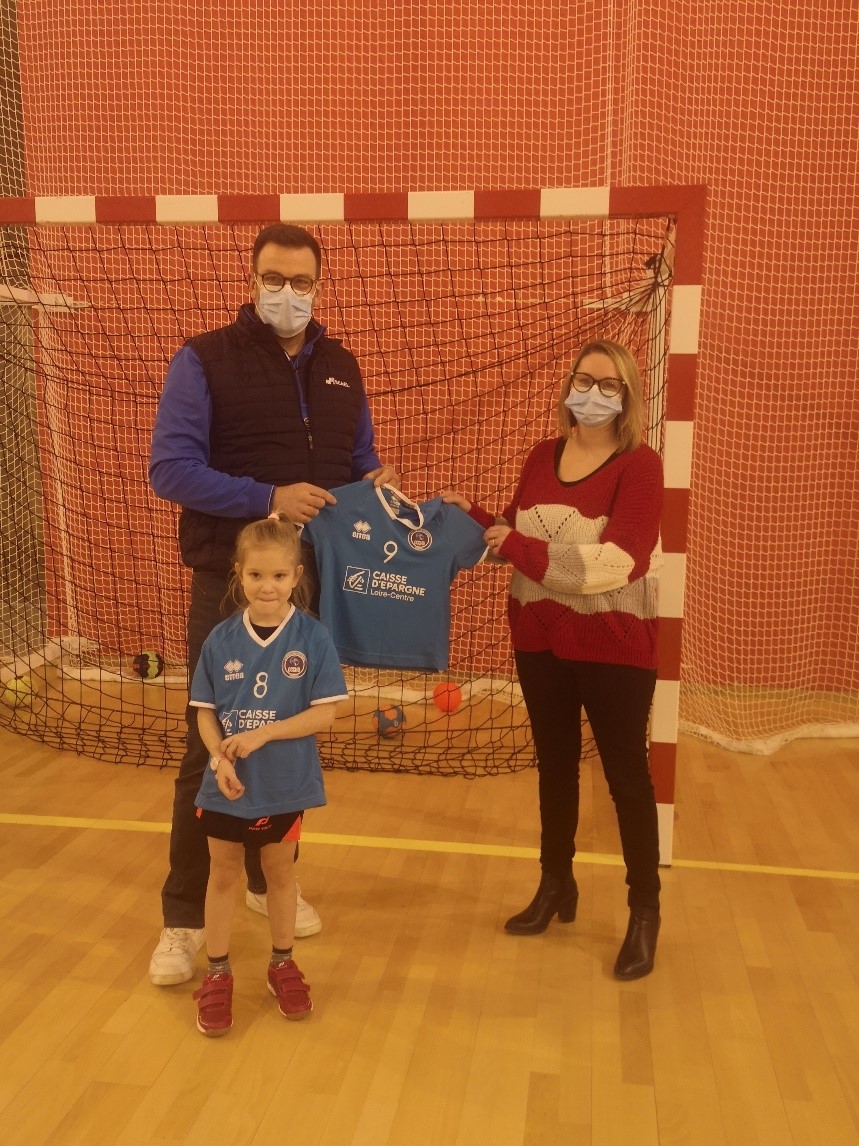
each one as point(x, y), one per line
point(608, 387)
point(274, 281)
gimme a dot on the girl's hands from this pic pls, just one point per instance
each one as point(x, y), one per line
point(241, 745)
point(450, 497)
point(228, 782)
point(235, 748)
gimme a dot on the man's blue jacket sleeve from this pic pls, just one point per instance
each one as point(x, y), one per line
point(179, 469)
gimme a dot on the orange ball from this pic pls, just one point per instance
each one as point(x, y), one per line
point(447, 696)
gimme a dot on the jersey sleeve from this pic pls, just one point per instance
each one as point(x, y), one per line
point(465, 536)
point(202, 694)
point(329, 684)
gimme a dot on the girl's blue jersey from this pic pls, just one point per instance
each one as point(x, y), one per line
point(250, 682)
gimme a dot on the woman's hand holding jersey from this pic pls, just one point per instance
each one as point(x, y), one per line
point(450, 497)
point(495, 537)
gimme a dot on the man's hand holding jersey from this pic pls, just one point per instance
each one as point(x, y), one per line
point(302, 501)
point(384, 475)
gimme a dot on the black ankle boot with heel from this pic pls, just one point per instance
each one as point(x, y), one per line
point(638, 951)
point(556, 895)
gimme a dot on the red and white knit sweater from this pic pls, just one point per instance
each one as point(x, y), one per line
point(585, 556)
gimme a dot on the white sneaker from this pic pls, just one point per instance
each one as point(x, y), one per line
point(257, 902)
point(174, 960)
point(307, 921)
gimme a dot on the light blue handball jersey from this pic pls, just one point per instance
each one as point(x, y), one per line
point(250, 682)
point(386, 565)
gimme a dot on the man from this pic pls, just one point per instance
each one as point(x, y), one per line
point(267, 413)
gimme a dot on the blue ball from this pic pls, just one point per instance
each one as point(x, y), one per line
point(389, 722)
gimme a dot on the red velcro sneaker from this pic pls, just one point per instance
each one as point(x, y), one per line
point(287, 984)
point(215, 1005)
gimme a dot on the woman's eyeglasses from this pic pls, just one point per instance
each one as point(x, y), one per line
point(608, 387)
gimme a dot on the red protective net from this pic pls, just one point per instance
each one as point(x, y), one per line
point(463, 331)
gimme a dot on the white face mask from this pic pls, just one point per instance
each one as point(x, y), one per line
point(285, 311)
point(593, 409)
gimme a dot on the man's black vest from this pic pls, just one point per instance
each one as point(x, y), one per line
point(257, 429)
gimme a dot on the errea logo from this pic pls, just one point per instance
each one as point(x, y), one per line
point(233, 670)
point(361, 530)
point(336, 382)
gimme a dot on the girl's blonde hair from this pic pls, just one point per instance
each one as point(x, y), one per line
point(276, 531)
point(630, 421)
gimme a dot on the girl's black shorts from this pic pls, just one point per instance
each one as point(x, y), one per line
point(251, 833)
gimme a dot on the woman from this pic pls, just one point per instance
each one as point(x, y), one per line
point(582, 535)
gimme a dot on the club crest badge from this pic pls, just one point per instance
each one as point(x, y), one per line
point(294, 665)
point(420, 539)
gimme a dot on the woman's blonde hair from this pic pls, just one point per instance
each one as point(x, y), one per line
point(276, 531)
point(630, 421)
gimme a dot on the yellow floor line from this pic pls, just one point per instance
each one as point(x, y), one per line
point(389, 843)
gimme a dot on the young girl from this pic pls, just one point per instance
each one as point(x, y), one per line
point(268, 679)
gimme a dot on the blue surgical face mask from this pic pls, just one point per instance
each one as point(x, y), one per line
point(593, 409)
point(285, 311)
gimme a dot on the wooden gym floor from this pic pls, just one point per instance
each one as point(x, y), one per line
point(431, 1025)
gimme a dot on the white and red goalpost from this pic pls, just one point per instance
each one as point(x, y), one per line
point(464, 309)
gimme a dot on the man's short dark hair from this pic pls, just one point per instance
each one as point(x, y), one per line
point(287, 235)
